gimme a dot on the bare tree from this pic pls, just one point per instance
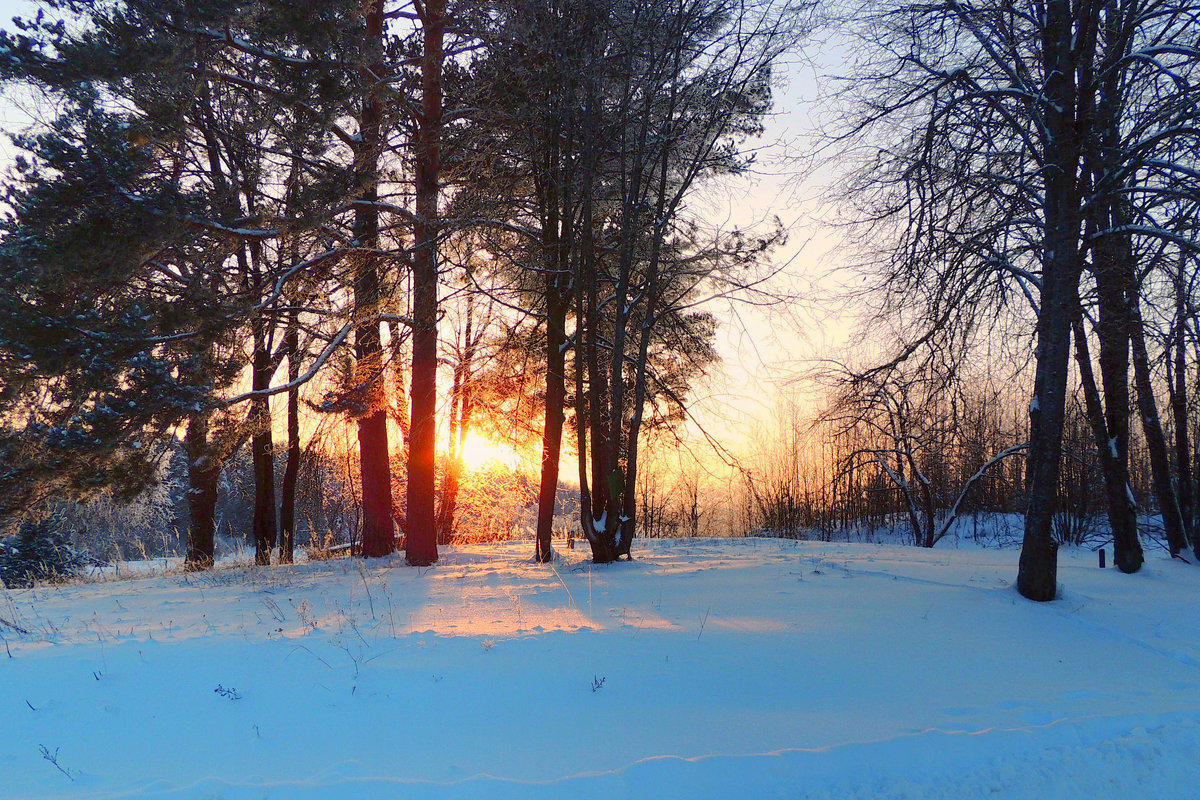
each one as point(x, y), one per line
point(995, 114)
point(908, 430)
point(692, 84)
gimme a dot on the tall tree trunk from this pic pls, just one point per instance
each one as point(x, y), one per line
point(597, 395)
point(626, 525)
point(1179, 414)
point(262, 449)
point(1113, 453)
point(1196, 461)
point(556, 337)
point(204, 469)
point(454, 465)
point(421, 538)
point(1110, 422)
point(1156, 442)
point(1110, 254)
point(664, 209)
point(378, 533)
point(1037, 573)
point(291, 470)
point(462, 403)
point(557, 222)
point(585, 344)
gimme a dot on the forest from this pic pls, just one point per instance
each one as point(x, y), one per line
point(600, 399)
point(374, 276)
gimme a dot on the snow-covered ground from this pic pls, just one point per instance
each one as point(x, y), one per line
point(705, 669)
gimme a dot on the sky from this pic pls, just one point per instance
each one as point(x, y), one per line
point(769, 355)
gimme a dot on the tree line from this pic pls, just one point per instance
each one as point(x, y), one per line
point(219, 188)
point(214, 189)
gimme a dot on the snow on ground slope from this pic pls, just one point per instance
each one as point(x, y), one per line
point(705, 669)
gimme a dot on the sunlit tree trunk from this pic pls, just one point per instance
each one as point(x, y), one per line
point(555, 415)
point(421, 534)
point(378, 533)
point(558, 223)
point(462, 407)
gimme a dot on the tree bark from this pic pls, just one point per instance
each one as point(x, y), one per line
point(421, 536)
point(557, 224)
point(462, 407)
point(1195, 457)
point(555, 416)
point(597, 393)
point(1156, 441)
point(449, 498)
point(1037, 573)
point(1113, 452)
point(262, 450)
point(378, 533)
point(291, 470)
point(1179, 415)
point(204, 469)
point(1110, 256)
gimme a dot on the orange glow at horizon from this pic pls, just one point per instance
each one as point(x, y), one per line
point(480, 451)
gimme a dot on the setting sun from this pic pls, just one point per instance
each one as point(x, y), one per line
point(480, 451)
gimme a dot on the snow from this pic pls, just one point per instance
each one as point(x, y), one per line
point(747, 668)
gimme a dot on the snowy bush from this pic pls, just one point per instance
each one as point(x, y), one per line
point(140, 527)
point(39, 552)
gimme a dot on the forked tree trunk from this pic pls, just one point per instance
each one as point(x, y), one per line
point(421, 535)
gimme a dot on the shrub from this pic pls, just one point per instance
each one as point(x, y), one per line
point(39, 552)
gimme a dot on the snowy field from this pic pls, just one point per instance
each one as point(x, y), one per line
point(705, 669)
